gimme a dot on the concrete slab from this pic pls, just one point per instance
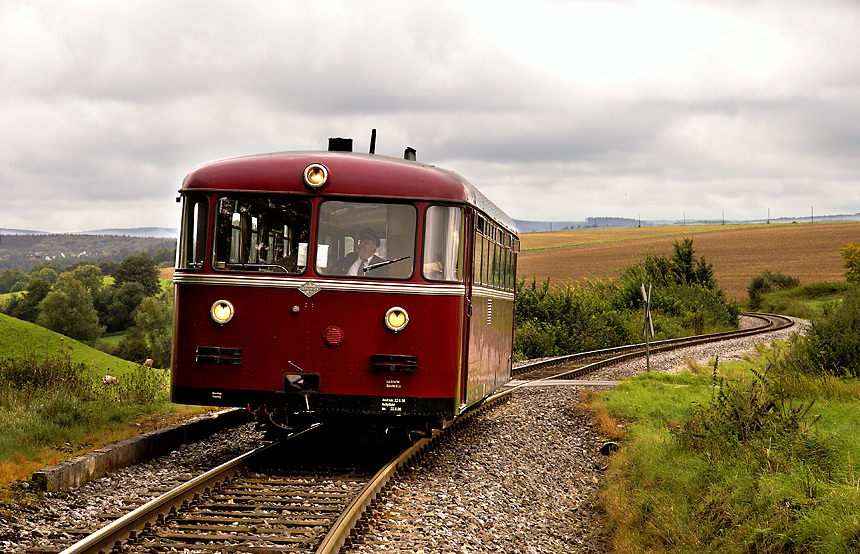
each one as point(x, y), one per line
point(81, 469)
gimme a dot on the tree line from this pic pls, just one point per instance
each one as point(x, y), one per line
point(23, 252)
point(76, 302)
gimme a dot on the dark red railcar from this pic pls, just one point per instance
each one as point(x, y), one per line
point(318, 286)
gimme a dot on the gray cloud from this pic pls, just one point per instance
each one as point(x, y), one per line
point(105, 106)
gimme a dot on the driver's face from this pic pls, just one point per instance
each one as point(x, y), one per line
point(366, 248)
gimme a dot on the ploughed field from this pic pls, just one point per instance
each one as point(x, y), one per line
point(738, 252)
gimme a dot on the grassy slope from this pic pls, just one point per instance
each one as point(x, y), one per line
point(738, 252)
point(18, 337)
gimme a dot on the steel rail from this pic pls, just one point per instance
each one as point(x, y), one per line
point(343, 526)
point(772, 322)
point(115, 533)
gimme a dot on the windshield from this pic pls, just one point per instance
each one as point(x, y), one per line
point(255, 233)
point(361, 239)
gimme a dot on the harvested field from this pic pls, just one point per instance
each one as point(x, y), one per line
point(738, 253)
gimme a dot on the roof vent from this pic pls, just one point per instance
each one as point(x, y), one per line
point(340, 144)
point(409, 154)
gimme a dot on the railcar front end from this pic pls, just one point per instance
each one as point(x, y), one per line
point(334, 286)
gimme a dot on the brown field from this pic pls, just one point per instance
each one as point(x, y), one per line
point(738, 253)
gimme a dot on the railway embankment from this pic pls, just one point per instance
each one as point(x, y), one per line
point(77, 471)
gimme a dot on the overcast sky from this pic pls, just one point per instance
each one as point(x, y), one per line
point(556, 110)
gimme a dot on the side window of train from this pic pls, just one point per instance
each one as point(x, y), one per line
point(262, 234)
point(192, 242)
point(442, 259)
point(364, 239)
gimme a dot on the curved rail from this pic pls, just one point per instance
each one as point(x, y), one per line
point(609, 356)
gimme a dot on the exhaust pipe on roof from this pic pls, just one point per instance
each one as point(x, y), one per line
point(340, 144)
point(410, 154)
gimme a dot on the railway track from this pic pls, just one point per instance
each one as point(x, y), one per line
point(578, 365)
point(302, 494)
point(305, 494)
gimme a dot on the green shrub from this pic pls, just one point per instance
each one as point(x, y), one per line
point(553, 321)
point(768, 281)
point(833, 342)
point(50, 372)
point(761, 418)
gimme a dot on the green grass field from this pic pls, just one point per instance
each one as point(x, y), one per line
point(18, 338)
point(706, 467)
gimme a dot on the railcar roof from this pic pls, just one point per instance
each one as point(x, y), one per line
point(350, 174)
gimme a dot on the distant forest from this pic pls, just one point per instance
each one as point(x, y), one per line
point(24, 251)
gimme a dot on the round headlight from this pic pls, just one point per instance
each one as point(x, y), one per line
point(315, 175)
point(396, 319)
point(221, 312)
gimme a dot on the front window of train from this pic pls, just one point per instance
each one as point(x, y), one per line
point(262, 234)
point(363, 239)
point(192, 238)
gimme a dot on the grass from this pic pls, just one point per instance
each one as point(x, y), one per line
point(744, 457)
point(18, 338)
point(804, 301)
point(53, 404)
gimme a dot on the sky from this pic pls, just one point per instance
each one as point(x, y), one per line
point(557, 110)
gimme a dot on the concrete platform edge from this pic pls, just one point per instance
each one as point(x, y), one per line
point(80, 470)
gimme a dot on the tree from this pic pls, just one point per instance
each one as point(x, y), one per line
point(133, 346)
point(108, 267)
point(90, 276)
point(9, 277)
point(164, 255)
point(68, 309)
point(46, 264)
point(26, 306)
point(47, 274)
point(683, 261)
point(116, 305)
point(851, 261)
point(138, 268)
point(154, 318)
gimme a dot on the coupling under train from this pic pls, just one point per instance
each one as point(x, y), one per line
point(335, 286)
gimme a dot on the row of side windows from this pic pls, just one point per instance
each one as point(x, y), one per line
point(495, 262)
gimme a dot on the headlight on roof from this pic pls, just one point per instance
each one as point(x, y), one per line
point(315, 176)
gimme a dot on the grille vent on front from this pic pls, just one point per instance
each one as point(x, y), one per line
point(489, 311)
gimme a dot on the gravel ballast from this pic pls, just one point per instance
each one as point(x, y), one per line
point(521, 477)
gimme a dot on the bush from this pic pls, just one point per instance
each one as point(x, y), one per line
point(553, 321)
point(762, 418)
point(768, 281)
point(833, 342)
point(51, 372)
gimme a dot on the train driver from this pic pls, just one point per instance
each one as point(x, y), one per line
point(364, 256)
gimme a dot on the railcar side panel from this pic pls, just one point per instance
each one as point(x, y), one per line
point(490, 343)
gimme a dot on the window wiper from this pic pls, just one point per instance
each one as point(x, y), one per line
point(256, 266)
point(386, 262)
